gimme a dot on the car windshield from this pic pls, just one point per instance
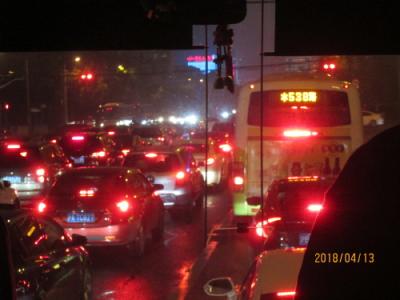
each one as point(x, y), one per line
point(154, 162)
point(104, 90)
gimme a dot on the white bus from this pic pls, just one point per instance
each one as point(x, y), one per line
point(311, 125)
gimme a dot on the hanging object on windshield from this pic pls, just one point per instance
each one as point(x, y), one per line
point(223, 40)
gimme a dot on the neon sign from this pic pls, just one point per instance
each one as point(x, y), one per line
point(199, 62)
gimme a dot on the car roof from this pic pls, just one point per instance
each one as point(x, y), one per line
point(278, 270)
point(100, 170)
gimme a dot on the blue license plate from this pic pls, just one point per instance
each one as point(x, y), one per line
point(81, 218)
point(13, 179)
point(304, 238)
point(79, 160)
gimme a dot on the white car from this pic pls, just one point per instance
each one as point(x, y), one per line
point(8, 195)
point(273, 275)
point(372, 118)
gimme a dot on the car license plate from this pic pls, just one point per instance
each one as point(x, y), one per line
point(80, 218)
point(304, 238)
point(13, 179)
point(79, 160)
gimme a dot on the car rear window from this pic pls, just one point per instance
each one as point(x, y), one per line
point(195, 148)
point(153, 162)
point(331, 108)
point(80, 144)
point(147, 132)
point(72, 183)
point(19, 158)
point(293, 196)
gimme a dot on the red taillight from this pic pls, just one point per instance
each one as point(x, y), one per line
point(299, 133)
point(111, 133)
point(13, 146)
point(238, 180)
point(151, 155)
point(87, 193)
point(125, 152)
point(123, 206)
point(286, 294)
point(24, 154)
point(99, 154)
point(53, 141)
point(225, 148)
point(40, 173)
point(78, 138)
point(41, 207)
point(260, 226)
point(238, 177)
point(180, 175)
point(162, 139)
point(314, 207)
point(210, 161)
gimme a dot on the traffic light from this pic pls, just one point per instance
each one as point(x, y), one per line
point(87, 76)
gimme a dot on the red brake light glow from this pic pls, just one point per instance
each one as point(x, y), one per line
point(123, 205)
point(99, 154)
point(286, 294)
point(151, 155)
point(274, 219)
point(125, 151)
point(41, 207)
point(162, 139)
point(40, 172)
point(299, 133)
point(23, 154)
point(315, 207)
point(87, 193)
point(210, 161)
point(111, 133)
point(13, 146)
point(78, 138)
point(225, 147)
point(180, 175)
point(238, 180)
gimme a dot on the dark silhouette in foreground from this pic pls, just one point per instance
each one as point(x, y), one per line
point(353, 252)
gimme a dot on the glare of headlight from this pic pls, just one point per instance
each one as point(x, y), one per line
point(225, 115)
point(160, 119)
point(192, 119)
point(101, 124)
point(180, 121)
point(144, 122)
point(234, 111)
point(172, 119)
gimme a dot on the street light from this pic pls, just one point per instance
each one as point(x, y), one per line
point(77, 59)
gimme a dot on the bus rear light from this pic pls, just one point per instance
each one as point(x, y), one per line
point(151, 155)
point(314, 207)
point(238, 180)
point(299, 133)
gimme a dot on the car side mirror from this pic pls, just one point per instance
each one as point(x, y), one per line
point(158, 187)
point(6, 183)
point(254, 200)
point(78, 240)
point(219, 287)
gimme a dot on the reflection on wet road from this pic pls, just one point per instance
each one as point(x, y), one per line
point(164, 270)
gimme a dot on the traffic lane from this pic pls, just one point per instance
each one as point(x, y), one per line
point(162, 273)
point(228, 254)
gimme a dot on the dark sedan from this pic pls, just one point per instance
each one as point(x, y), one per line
point(48, 263)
